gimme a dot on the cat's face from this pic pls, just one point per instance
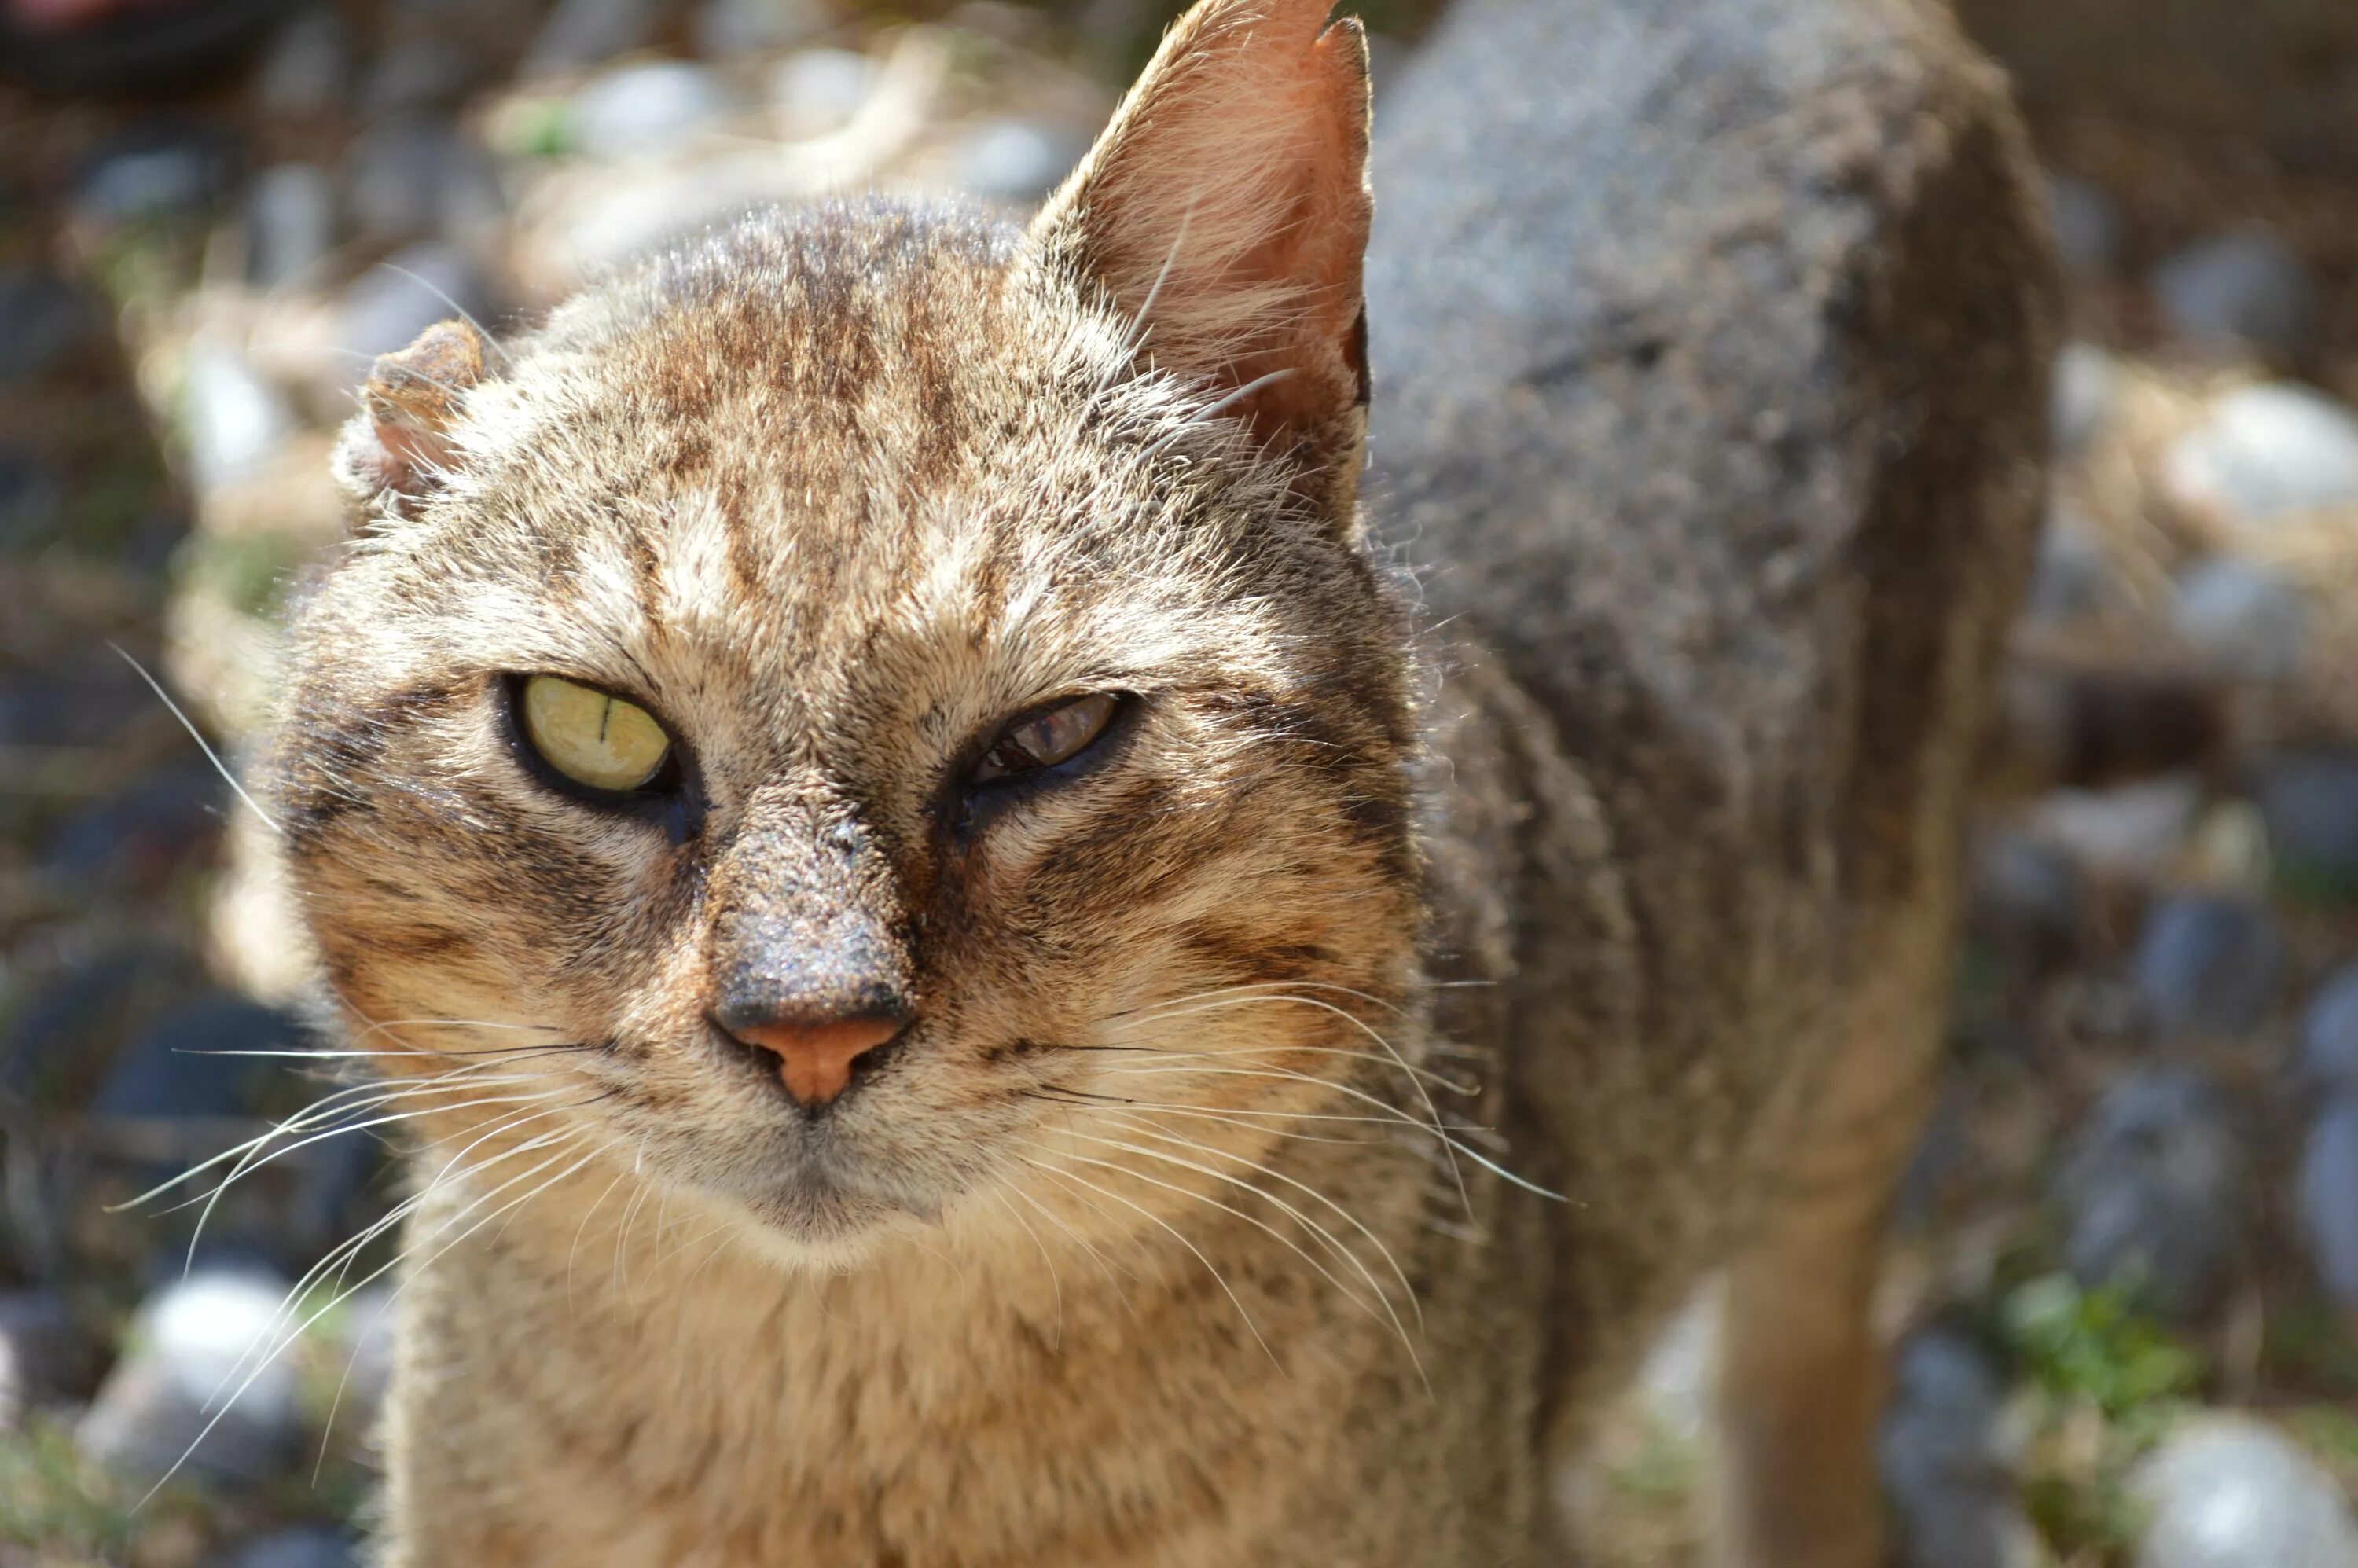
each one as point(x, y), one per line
point(842, 625)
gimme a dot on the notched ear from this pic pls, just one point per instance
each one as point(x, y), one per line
point(398, 448)
point(1225, 209)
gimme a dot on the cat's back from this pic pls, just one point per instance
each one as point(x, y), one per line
point(1695, 327)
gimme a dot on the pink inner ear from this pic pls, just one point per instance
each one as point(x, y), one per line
point(413, 398)
point(412, 450)
point(1228, 207)
point(1319, 245)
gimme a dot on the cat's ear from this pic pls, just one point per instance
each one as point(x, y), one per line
point(1225, 210)
point(398, 448)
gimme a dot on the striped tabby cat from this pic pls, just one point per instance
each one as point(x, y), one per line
point(992, 976)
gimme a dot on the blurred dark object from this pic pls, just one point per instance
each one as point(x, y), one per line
point(2154, 1193)
point(2069, 722)
point(2209, 964)
point(2283, 74)
point(77, 46)
point(2310, 801)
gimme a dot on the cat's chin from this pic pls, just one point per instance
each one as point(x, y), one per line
point(818, 1227)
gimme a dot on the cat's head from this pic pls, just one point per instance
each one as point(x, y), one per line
point(830, 706)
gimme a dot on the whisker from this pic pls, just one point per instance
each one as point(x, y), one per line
point(202, 744)
point(442, 294)
point(280, 1349)
point(301, 1121)
point(1104, 1265)
point(1219, 1278)
point(1381, 1309)
point(1403, 1117)
point(1441, 1079)
point(1055, 1281)
point(351, 1248)
point(1251, 986)
point(1430, 1110)
point(246, 1168)
point(1145, 1128)
point(1231, 1119)
point(574, 1251)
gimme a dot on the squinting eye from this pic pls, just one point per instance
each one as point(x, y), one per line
point(1046, 739)
point(593, 738)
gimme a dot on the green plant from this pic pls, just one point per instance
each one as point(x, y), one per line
point(2092, 1345)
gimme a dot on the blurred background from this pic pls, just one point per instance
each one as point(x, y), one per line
point(2127, 1282)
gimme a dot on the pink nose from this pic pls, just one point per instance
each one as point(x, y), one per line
point(814, 1059)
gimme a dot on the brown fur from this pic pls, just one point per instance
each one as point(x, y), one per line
point(1176, 1230)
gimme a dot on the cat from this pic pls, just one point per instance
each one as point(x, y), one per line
point(989, 970)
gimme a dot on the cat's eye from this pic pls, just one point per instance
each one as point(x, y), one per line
point(1043, 739)
point(593, 737)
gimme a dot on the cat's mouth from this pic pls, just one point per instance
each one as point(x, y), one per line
point(821, 1198)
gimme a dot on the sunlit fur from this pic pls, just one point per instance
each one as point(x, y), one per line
point(1201, 1217)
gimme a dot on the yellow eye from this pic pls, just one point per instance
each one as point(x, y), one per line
point(589, 737)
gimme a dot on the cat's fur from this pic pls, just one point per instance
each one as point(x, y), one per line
point(1175, 1230)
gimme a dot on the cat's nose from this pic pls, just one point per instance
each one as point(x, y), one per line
point(816, 1057)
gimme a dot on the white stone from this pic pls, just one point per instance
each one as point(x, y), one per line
point(233, 419)
point(2267, 450)
point(2227, 1491)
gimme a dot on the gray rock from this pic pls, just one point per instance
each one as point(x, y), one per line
point(1015, 160)
point(2329, 1196)
point(2310, 802)
point(2087, 389)
point(2132, 830)
point(233, 420)
point(171, 179)
point(190, 1066)
point(299, 1546)
point(134, 838)
point(2267, 450)
point(818, 90)
point(389, 305)
point(410, 175)
point(290, 224)
point(2209, 964)
point(581, 33)
point(32, 502)
point(2329, 1035)
point(2070, 577)
point(732, 30)
point(2155, 1191)
point(2027, 888)
point(2243, 289)
point(2246, 620)
point(432, 72)
point(1944, 1458)
point(369, 1320)
point(1677, 1381)
point(309, 67)
point(60, 1038)
point(643, 109)
point(2227, 1491)
point(43, 321)
point(47, 1355)
point(195, 1345)
point(2087, 225)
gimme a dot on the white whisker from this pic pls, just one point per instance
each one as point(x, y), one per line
point(1221, 1280)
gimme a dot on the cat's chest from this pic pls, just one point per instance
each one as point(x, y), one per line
point(735, 1433)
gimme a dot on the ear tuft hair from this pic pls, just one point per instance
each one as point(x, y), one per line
point(398, 448)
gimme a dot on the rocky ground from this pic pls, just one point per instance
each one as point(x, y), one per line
point(2127, 1283)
